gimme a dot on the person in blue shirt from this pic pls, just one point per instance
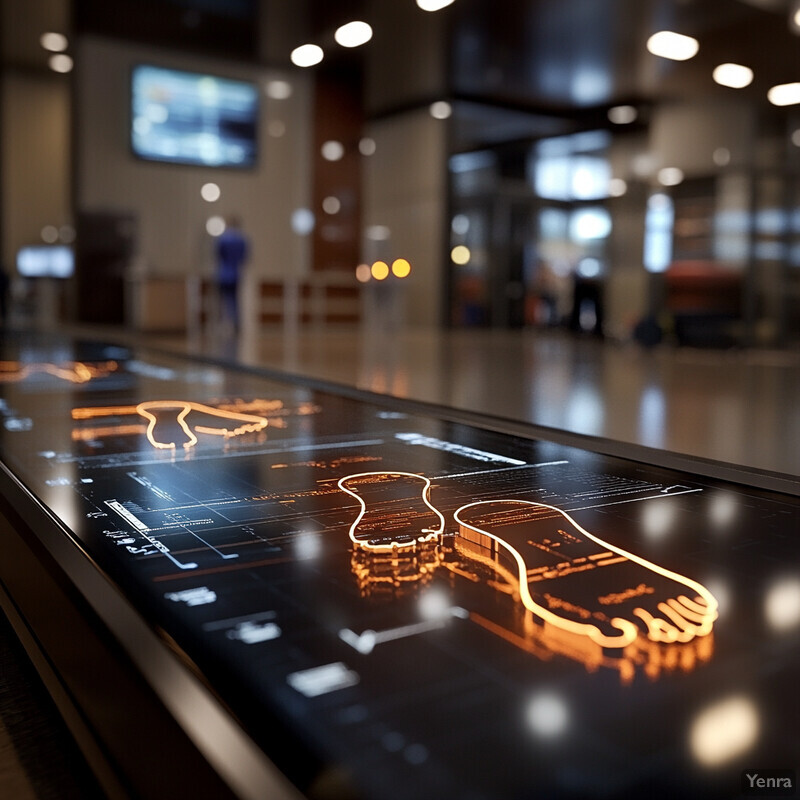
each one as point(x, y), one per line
point(232, 254)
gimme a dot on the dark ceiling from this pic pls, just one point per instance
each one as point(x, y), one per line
point(551, 59)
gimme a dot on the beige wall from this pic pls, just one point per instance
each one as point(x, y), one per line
point(165, 197)
point(35, 157)
point(405, 190)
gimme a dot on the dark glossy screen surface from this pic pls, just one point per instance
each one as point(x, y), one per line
point(428, 609)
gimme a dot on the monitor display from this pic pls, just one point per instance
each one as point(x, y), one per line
point(191, 118)
point(46, 261)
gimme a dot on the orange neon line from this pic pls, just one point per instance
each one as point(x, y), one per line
point(102, 411)
point(609, 561)
point(87, 434)
point(432, 534)
point(686, 631)
point(658, 629)
point(75, 371)
point(251, 422)
point(685, 612)
point(693, 605)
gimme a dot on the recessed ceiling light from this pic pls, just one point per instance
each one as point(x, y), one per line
point(670, 176)
point(278, 90)
point(675, 46)
point(366, 146)
point(331, 204)
point(215, 226)
point(785, 94)
point(210, 192)
point(353, 34)
point(441, 109)
point(617, 187)
point(622, 115)
point(736, 76)
point(721, 156)
point(54, 42)
point(307, 55)
point(60, 62)
point(332, 150)
point(433, 5)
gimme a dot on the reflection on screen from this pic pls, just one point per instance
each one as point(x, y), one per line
point(190, 118)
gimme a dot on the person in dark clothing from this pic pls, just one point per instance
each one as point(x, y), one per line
point(232, 254)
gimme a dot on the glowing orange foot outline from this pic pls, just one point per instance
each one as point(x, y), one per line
point(247, 423)
point(580, 583)
point(395, 513)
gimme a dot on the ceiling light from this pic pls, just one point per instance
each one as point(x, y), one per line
point(676, 46)
point(60, 62)
point(332, 150)
point(735, 76)
point(331, 204)
point(210, 192)
point(433, 5)
point(794, 16)
point(303, 221)
point(380, 270)
point(785, 94)
point(617, 187)
point(54, 42)
point(353, 34)
point(306, 55)
point(377, 233)
point(215, 226)
point(721, 156)
point(622, 115)
point(278, 90)
point(441, 109)
point(460, 254)
point(49, 234)
point(401, 268)
point(366, 146)
point(670, 176)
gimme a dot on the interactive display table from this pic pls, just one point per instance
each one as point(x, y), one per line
point(239, 584)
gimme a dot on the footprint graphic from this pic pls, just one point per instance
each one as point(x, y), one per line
point(161, 416)
point(395, 512)
point(580, 583)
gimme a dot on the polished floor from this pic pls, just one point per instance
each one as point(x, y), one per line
point(736, 406)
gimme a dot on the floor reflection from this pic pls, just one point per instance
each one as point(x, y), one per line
point(736, 406)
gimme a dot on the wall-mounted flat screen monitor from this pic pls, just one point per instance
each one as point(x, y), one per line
point(46, 261)
point(191, 118)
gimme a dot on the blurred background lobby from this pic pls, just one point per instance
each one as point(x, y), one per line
point(555, 212)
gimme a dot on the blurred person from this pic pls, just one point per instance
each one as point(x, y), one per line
point(233, 250)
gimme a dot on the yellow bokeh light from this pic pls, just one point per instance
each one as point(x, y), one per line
point(460, 254)
point(363, 273)
point(380, 270)
point(401, 268)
